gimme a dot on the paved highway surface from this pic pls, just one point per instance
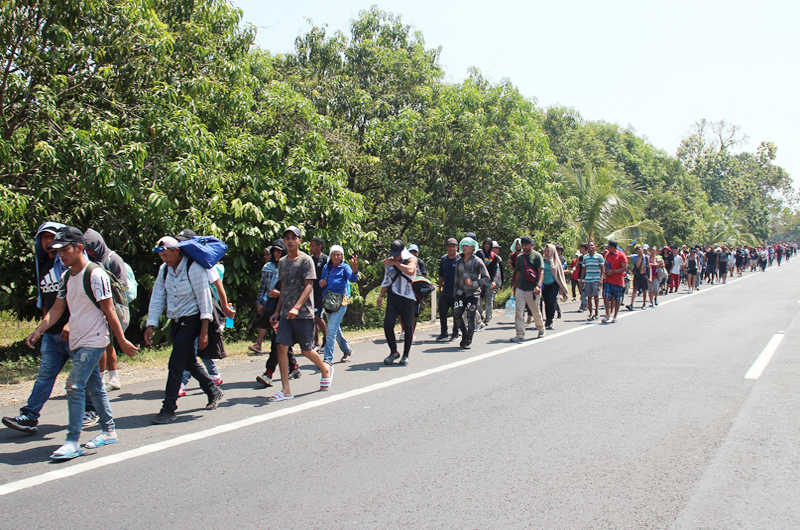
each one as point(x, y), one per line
point(646, 423)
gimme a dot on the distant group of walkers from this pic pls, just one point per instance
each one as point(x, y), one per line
point(83, 290)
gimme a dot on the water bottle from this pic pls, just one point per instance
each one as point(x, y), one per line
point(229, 320)
point(511, 308)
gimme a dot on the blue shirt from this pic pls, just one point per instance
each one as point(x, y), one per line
point(338, 278)
point(548, 274)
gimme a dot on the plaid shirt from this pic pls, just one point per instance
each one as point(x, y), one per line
point(182, 293)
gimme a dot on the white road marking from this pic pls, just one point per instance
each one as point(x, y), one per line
point(761, 363)
point(191, 437)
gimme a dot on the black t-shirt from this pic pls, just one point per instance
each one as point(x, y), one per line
point(447, 271)
point(711, 258)
point(48, 288)
point(422, 270)
point(318, 264)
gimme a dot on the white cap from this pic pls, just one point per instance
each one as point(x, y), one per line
point(336, 248)
point(495, 244)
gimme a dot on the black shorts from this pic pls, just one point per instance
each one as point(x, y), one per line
point(319, 310)
point(296, 331)
point(723, 268)
point(691, 271)
point(640, 283)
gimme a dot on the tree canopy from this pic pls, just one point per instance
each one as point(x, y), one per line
point(141, 118)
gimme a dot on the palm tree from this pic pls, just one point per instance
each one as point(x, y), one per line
point(723, 226)
point(606, 207)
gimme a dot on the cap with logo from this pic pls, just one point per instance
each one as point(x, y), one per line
point(66, 235)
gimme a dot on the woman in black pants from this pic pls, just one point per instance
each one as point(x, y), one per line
point(554, 283)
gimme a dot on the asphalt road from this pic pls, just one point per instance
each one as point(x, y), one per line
point(646, 423)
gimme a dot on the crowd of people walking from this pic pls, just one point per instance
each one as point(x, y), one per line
point(84, 287)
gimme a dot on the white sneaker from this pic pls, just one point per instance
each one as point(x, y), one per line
point(90, 418)
point(113, 381)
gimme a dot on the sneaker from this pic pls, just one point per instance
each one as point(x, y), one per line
point(656, 301)
point(442, 338)
point(264, 379)
point(22, 423)
point(517, 339)
point(480, 326)
point(550, 327)
point(217, 379)
point(559, 314)
point(467, 345)
point(541, 334)
point(214, 400)
point(391, 358)
point(255, 348)
point(404, 360)
point(182, 390)
point(113, 383)
point(401, 338)
point(90, 419)
point(453, 337)
point(164, 417)
point(295, 374)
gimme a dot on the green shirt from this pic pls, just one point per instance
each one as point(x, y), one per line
point(535, 261)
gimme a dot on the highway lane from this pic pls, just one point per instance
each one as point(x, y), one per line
point(643, 423)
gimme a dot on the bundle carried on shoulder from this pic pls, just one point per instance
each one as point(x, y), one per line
point(205, 250)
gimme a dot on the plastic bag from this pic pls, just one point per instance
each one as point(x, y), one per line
point(511, 308)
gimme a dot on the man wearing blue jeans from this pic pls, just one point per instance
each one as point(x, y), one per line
point(91, 314)
point(55, 341)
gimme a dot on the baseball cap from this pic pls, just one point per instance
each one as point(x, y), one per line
point(452, 241)
point(66, 235)
point(646, 246)
point(185, 235)
point(396, 248)
point(165, 243)
point(294, 230)
point(413, 247)
point(495, 244)
point(612, 243)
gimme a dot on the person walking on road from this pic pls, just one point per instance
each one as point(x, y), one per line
point(336, 278)
point(553, 284)
point(447, 300)
point(91, 315)
point(295, 312)
point(614, 286)
point(182, 290)
point(592, 275)
point(526, 285)
point(471, 277)
point(401, 301)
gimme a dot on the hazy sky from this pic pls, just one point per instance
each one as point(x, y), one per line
point(657, 66)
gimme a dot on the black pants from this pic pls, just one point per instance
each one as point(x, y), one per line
point(446, 303)
point(466, 305)
point(550, 297)
point(399, 306)
point(272, 360)
point(184, 357)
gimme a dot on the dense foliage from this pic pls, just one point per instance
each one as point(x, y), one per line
point(140, 118)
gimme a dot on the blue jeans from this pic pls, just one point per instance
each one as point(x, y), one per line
point(86, 378)
point(210, 365)
point(335, 334)
point(55, 353)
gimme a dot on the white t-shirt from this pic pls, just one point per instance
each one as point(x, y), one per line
point(677, 264)
point(88, 327)
point(401, 286)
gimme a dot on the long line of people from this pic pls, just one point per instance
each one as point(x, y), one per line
point(301, 297)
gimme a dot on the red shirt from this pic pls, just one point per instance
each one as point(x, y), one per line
point(576, 274)
point(618, 260)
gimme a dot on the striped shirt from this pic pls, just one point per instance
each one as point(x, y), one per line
point(592, 263)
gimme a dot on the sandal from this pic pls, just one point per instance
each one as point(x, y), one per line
point(255, 348)
point(325, 382)
point(279, 396)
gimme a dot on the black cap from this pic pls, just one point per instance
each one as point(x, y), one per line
point(471, 234)
point(185, 235)
point(526, 240)
point(612, 243)
point(293, 229)
point(397, 248)
point(66, 235)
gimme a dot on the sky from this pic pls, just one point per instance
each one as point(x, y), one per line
point(655, 66)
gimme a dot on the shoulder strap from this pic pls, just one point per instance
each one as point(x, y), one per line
point(87, 282)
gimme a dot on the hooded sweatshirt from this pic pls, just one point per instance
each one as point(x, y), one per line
point(110, 261)
point(48, 274)
point(473, 269)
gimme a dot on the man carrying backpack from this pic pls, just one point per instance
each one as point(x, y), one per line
point(401, 302)
point(182, 289)
point(91, 314)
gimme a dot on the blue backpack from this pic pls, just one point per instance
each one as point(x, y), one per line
point(205, 250)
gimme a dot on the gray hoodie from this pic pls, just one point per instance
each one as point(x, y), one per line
point(109, 259)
